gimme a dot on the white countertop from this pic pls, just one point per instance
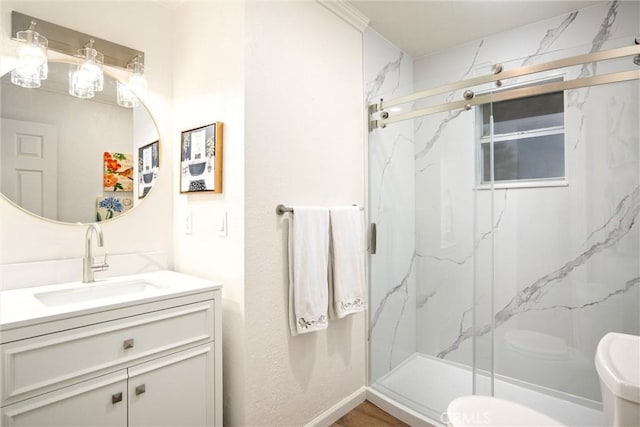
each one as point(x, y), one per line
point(22, 307)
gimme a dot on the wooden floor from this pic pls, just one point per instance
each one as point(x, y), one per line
point(368, 415)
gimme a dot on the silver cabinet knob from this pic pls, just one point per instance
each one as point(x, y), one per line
point(140, 389)
point(115, 398)
point(128, 344)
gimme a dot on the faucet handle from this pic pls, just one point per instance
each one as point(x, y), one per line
point(104, 265)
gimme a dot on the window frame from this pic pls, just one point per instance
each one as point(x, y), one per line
point(480, 141)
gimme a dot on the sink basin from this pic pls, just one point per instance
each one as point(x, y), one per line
point(96, 292)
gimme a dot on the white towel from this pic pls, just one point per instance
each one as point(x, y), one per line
point(308, 269)
point(347, 262)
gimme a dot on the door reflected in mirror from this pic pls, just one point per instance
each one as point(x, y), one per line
point(74, 160)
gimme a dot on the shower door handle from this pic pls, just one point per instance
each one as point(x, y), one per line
point(372, 238)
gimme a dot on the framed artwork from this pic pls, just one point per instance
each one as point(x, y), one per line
point(118, 172)
point(148, 163)
point(108, 207)
point(201, 159)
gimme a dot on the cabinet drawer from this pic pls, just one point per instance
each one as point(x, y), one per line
point(37, 365)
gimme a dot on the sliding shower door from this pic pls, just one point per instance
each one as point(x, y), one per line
point(567, 258)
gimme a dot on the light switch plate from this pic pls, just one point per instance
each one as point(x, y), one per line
point(188, 224)
point(222, 224)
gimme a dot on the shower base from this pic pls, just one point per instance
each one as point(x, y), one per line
point(427, 385)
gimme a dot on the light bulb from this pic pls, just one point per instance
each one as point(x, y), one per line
point(126, 98)
point(88, 77)
point(31, 64)
point(129, 95)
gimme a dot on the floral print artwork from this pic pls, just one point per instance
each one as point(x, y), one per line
point(118, 172)
point(108, 207)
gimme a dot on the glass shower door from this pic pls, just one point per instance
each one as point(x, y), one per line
point(567, 259)
point(562, 264)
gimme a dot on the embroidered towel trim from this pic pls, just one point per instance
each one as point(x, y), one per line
point(347, 287)
point(308, 269)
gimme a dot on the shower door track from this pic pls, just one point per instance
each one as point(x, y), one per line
point(383, 118)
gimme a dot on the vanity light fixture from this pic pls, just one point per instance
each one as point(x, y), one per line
point(31, 65)
point(136, 88)
point(87, 78)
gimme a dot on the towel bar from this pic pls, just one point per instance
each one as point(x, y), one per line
point(282, 209)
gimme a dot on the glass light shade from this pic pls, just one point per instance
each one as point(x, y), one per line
point(31, 65)
point(87, 78)
point(126, 98)
point(129, 95)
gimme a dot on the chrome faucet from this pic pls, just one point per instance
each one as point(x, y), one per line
point(88, 267)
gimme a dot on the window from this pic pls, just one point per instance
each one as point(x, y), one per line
point(528, 140)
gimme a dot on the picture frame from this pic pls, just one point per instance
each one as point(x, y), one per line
point(148, 165)
point(108, 207)
point(201, 159)
point(118, 172)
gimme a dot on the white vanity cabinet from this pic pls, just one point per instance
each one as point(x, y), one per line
point(152, 364)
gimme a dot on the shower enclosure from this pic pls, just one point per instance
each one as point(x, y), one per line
point(506, 213)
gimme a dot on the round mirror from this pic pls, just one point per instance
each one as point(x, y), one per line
point(74, 160)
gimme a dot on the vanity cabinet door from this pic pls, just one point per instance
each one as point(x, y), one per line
point(176, 390)
point(98, 402)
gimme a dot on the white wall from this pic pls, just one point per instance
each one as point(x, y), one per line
point(141, 25)
point(208, 85)
point(268, 87)
point(304, 145)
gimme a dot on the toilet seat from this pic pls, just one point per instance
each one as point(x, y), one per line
point(617, 362)
point(485, 411)
point(617, 365)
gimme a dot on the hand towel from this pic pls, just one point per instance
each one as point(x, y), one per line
point(347, 285)
point(308, 269)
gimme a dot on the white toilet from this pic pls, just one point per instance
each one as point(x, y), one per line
point(618, 366)
point(488, 411)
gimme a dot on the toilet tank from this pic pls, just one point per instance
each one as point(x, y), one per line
point(618, 364)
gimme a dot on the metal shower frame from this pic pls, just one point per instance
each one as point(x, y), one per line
point(379, 118)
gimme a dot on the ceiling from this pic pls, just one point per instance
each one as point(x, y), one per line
point(423, 27)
